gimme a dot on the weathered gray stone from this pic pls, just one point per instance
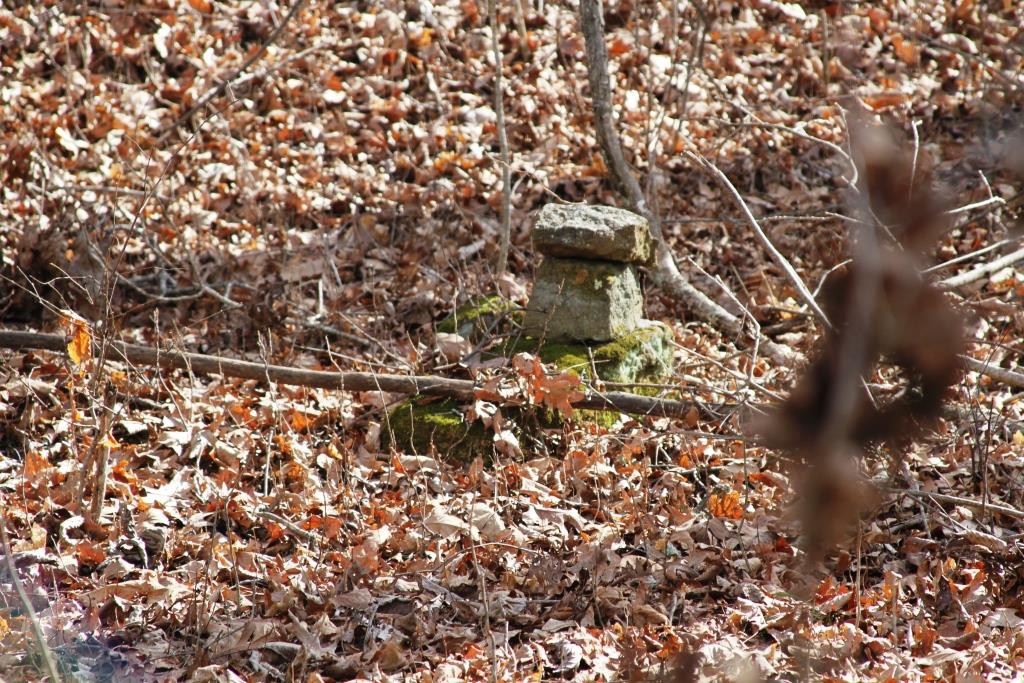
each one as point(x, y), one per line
point(593, 232)
point(581, 300)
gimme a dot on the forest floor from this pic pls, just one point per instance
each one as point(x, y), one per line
point(336, 200)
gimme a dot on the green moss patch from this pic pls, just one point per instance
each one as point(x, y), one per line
point(414, 426)
point(417, 424)
point(474, 319)
point(644, 355)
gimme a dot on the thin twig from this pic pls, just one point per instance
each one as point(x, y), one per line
point(343, 381)
point(1007, 377)
point(481, 579)
point(776, 255)
point(99, 489)
point(103, 189)
point(958, 500)
point(757, 123)
point(37, 630)
point(226, 82)
point(290, 526)
point(972, 255)
point(499, 108)
point(984, 270)
point(983, 204)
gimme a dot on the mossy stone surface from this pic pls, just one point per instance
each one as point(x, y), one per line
point(578, 300)
point(413, 426)
point(473, 319)
point(643, 355)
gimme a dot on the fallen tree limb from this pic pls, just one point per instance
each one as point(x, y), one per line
point(666, 273)
point(344, 381)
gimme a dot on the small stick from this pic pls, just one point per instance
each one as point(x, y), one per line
point(984, 270)
point(99, 489)
point(499, 108)
point(37, 630)
point(783, 262)
point(1007, 377)
point(970, 255)
point(290, 526)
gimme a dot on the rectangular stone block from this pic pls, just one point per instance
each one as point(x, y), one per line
point(593, 232)
point(583, 300)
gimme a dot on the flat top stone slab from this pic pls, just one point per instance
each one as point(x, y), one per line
point(593, 232)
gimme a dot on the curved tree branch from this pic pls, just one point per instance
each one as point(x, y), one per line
point(666, 272)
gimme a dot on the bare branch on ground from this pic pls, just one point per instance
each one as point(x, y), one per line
point(343, 381)
point(666, 273)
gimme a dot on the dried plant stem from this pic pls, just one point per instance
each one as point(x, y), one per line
point(666, 274)
point(37, 630)
point(783, 262)
point(226, 82)
point(99, 489)
point(499, 109)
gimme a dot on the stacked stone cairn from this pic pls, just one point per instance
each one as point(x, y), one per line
point(587, 289)
point(585, 314)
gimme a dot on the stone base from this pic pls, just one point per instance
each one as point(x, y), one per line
point(583, 301)
point(642, 356)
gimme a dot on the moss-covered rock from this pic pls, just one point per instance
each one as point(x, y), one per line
point(473, 320)
point(413, 426)
point(643, 355)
